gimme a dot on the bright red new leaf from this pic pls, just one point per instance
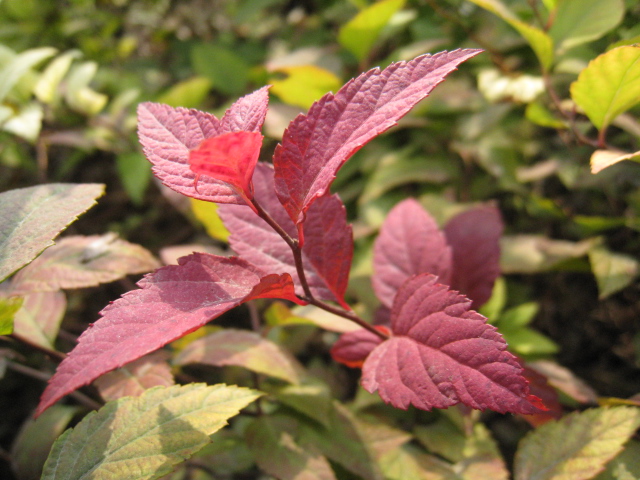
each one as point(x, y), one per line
point(315, 145)
point(171, 302)
point(168, 134)
point(230, 158)
point(326, 256)
point(409, 243)
point(441, 354)
point(474, 237)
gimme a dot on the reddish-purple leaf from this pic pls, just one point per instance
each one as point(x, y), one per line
point(442, 354)
point(168, 134)
point(231, 158)
point(474, 237)
point(315, 145)
point(353, 348)
point(409, 243)
point(326, 255)
point(172, 302)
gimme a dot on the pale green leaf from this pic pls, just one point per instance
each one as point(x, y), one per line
point(244, 349)
point(13, 70)
point(580, 21)
point(609, 86)
point(613, 271)
point(536, 253)
point(189, 93)
point(360, 33)
point(207, 214)
point(144, 437)
point(30, 218)
point(40, 316)
point(577, 446)
point(78, 95)
point(25, 122)
point(304, 84)
point(274, 446)
point(35, 438)
point(539, 40)
point(46, 89)
point(9, 306)
point(626, 466)
point(407, 462)
point(601, 159)
point(324, 319)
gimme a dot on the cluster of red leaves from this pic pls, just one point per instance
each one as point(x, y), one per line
point(438, 353)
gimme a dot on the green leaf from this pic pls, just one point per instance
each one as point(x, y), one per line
point(12, 71)
point(207, 214)
point(540, 42)
point(407, 462)
point(8, 308)
point(30, 218)
point(78, 95)
point(311, 398)
point(244, 349)
point(580, 21)
point(525, 341)
point(145, 437)
point(46, 89)
point(360, 33)
point(274, 446)
point(577, 446)
point(33, 443)
point(609, 86)
point(536, 253)
point(134, 172)
point(304, 84)
point(626, 466)
point(519, 316)
point(540, 115)
point(613, 271)
point(493, 308)
point(226, 69)
point(189, 93)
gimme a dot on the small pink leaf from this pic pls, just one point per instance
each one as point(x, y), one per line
point(168, 134)
point(326, 255)
point(315, 145)
point(230, 158)
point(409, 243)
point(173, 301)
point(352, 348)
point(442, 354)
point(474, 237)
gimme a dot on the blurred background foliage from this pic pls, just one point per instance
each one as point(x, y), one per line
point(503, 129)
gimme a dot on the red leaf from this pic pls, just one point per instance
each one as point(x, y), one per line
point(540, 388)
point(474, 237)
point(230, 158)
point(326, 255)
point(315, 145)
point(172, 302)
point(409, 243)
point(168, 134)
point(352, 348)
point(442, 354)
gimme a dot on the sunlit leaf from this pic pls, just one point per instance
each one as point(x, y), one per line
point(613, 271)
point(189, 93)
point(145, 437)
point(46, 89)
point(360, 33)
point(578, 446)
point(9, 306)
point(601, 159)
point(207, 214)
point(609, 86)
point(79, 95)
point(304, 84)
point(12, 71)
point(30, 218)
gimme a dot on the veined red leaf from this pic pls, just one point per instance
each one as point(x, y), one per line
point(474, 237)
point(353, 348)
point(315, 145)
point(231, 158)
point(409, 243)
point(326, 255)
point(173, 301)
point(168, 134)
point(442, 354)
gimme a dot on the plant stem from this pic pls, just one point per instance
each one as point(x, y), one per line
point(54, 354)
point(308, 296)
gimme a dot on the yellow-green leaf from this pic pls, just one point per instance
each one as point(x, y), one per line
point(8, 308)
point(46, 90)
point(580, 21)
point(609, 86)
point(189, 93)
point(613, 271)
point(304, 84)
point(361, 32)
point(144, 437)
point(540, 115)
point(207, 214)
point(540, 42)
point(577, 446)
